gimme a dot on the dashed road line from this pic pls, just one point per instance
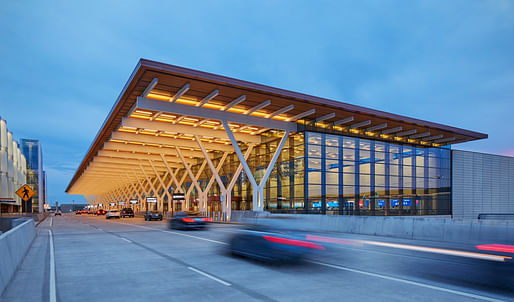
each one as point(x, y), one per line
point(126, 240)
point(209, 276)
point(442, 289)
point(175, 233)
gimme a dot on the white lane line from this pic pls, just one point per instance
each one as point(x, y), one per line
point(126, 240)
point(175, 233)
point(209, 276)
point(51, 222)
point(53, 297)
point(442, 289)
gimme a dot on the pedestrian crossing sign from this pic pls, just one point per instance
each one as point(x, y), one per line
point(25, 192)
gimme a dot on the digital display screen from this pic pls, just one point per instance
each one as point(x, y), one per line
point(333, 204)
point(407, 202)
point(381, 203)
point(133, 201)
point(395, 203)
point(151, 199)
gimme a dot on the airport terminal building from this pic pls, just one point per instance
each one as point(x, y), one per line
point(181, 139)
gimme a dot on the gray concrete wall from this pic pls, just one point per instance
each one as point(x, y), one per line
point(14, 244)
point(406, 227)
point(481, 183)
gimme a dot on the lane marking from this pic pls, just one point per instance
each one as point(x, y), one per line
point(53, 297)
point(209, 276)
point(51, 222)
point(442, 289)
point(175, 233)
point(126, 240)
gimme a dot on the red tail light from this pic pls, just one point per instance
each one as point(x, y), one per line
point(188, 220)
point(207, 219)
point(301, 243)
point(496, 248)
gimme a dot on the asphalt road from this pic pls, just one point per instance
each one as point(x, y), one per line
point(94, 259)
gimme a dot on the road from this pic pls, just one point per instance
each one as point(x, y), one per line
point(89, 258)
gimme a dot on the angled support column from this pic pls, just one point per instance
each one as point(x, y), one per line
point(270, 168)
point(188, 169)
point(151, 184)
point(162, 184)
point(243, 162)
point(173, 176)
point(143, 202)
point(233, 181)
point(214, 171)
point(258, 190)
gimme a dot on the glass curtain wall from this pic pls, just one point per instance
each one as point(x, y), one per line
point(355, 176)
point(340, 175)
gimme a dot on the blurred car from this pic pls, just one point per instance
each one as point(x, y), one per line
point(127, 212)
point(100, 212)
point(58, 213)
point(78, 212)
point(91, 212)
point(185, 220)
point(269, 243)
point(112, 214)
point(153, 215)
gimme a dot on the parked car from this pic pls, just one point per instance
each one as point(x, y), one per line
point(112, 214)
point(185, 220)
point(153, 215)
point(269, 243)
point(58, 213)
point(127, 212)
point(100, 212)
point(78, 212)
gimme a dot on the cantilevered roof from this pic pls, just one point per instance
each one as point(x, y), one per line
point(163, 108)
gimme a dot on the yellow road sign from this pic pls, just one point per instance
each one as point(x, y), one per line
point(25, 192)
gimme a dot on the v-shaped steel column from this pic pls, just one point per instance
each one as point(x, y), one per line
point(258, 190)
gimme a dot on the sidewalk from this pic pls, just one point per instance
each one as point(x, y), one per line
point(30, 282)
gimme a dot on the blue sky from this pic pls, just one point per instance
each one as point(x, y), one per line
point(65, 62)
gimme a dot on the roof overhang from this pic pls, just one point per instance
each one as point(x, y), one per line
point(162, 107)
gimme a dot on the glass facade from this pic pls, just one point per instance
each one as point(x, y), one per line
point(355, 176)
point(338, 175)
point(36, 177)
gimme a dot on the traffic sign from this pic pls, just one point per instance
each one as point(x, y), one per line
point(25, 192)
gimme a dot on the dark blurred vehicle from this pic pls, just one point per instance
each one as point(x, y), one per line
point(153, 215)
point(127, 212)
point(100, 212)
point(91, 212)
point(58, 213)
point(78, 212)
point(185, 220)
point(112, 214)
point(270, 243)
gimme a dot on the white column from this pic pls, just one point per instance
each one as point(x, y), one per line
point(258, 190)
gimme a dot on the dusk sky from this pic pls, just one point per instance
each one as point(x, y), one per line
point(65, 62)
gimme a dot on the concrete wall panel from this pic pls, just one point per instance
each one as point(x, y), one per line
point(481, 184)
point(14, 244)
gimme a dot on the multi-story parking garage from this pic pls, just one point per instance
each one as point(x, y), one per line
point(226, 144)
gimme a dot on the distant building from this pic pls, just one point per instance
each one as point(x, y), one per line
point(36, 177)
point(13, 171)
point(69, 208)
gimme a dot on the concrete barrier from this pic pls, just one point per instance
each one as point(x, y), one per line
point(406, 227)
point(14, 244)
